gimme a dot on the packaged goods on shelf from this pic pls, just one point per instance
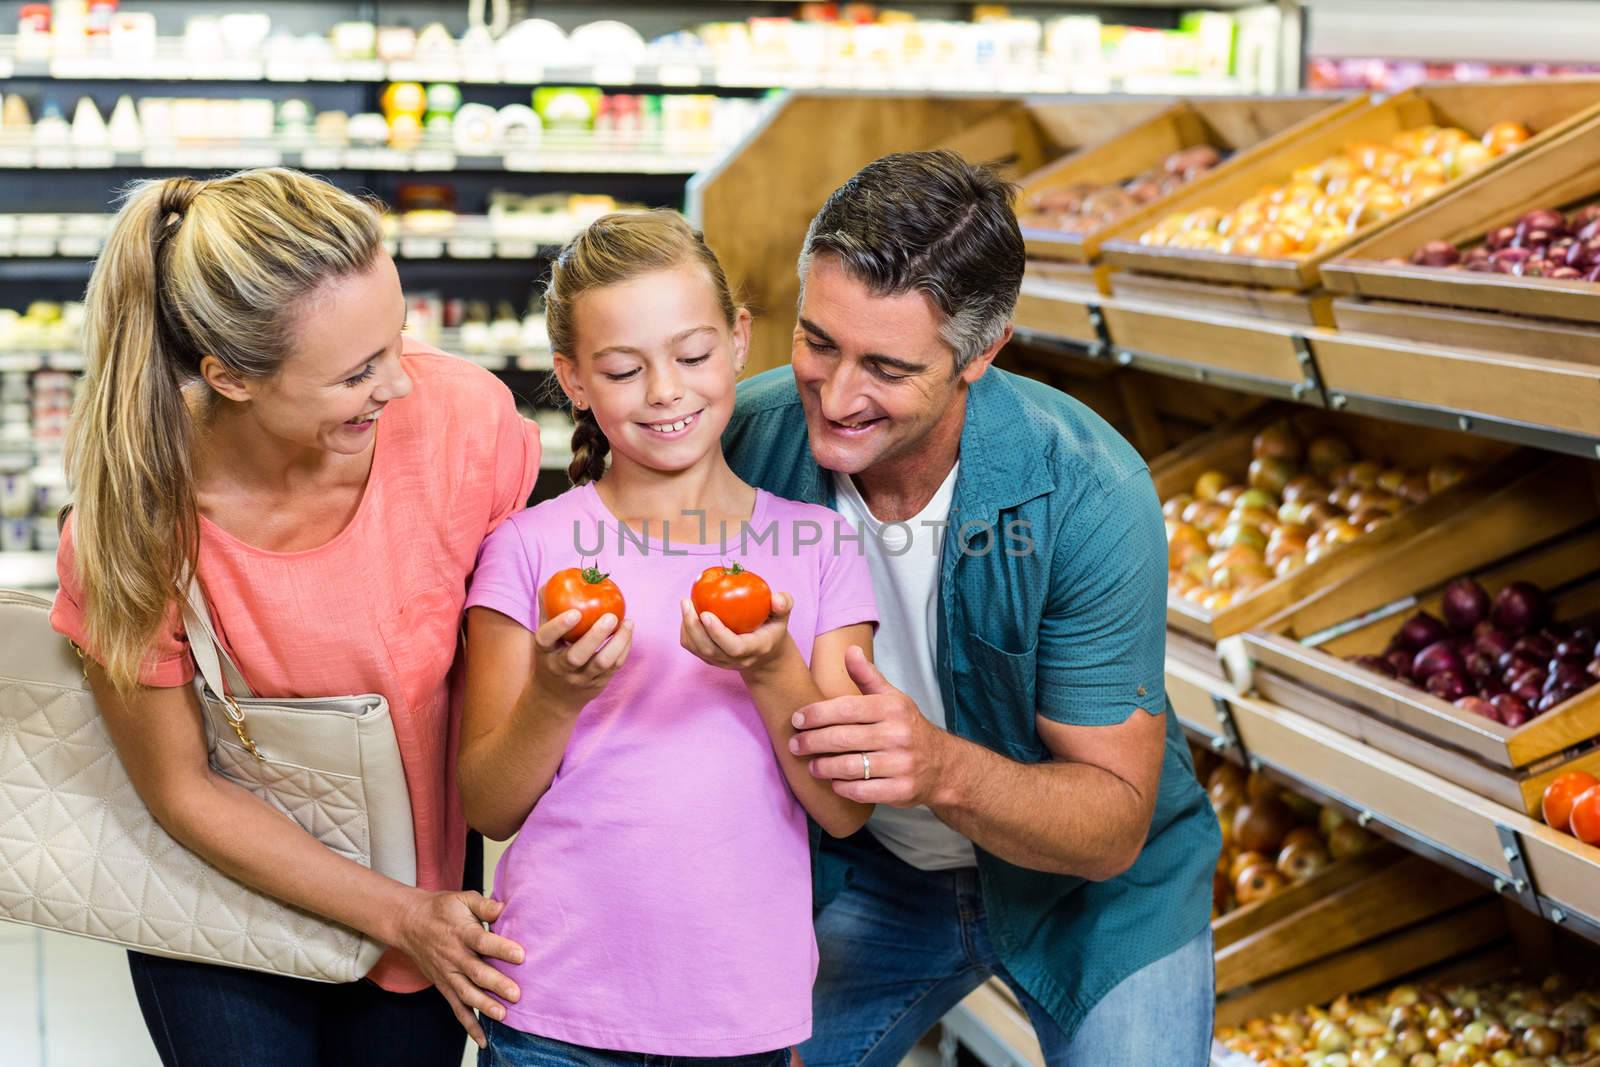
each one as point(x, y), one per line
point(887, 50)
point(1396, 75)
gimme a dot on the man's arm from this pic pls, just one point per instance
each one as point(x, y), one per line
point(1085, 812)
point(1100, 669)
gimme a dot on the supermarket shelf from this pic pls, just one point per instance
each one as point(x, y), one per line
point(1430, 385)
point(552, 156)
point(27, 570)
point(32, 360)
point(171, 63)
point(1547, 872)
point(469, 237)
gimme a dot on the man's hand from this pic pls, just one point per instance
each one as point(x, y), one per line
point(905, 751)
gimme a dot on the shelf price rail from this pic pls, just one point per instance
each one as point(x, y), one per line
point(1547, 872)
point(1545, 403)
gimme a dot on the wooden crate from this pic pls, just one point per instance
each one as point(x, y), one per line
point(1511, 766)
point(1560, 173)
point(755, 204)
point(1402, 917)
point(1247, 127)
point(1406, 446)
point(1548, 107)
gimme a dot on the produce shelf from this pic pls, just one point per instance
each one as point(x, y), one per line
point(1547, 872)
point(1546, 403)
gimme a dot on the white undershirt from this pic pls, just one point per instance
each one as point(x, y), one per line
point(904, 560)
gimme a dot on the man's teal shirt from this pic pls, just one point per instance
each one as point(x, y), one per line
point(1052, 603)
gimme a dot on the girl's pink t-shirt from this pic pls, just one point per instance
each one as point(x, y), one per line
point(661, 888)
point(378, 608)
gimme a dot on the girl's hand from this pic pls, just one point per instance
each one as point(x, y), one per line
point(570, 675)
point(709, 638)
point(443, 932)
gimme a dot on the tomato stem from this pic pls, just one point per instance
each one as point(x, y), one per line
point(593, 576)
point(734, 568)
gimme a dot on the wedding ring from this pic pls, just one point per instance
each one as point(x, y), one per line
point(866, 767)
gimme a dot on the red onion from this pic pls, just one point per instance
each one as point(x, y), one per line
point(1500, 238)
point(1376, 664)
point(1529, 688)
point(1437, 658)
point(1511, 260)
point(1478, 706)
point(1481, 665)
point(1538, 646)
point(1420, 631)
point(1466, 604)
point(1574, 649)
point(1492, 642)
point(1519, 607)
point(1448, 685)
point(1511, 710)
point(1436, 254)
point(1399, 661)
point(1565, 675)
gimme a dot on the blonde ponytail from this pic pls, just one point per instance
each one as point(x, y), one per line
point(190, 269)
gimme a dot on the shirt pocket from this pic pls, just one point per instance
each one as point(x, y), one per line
point(1004, 685)
point(421, 640)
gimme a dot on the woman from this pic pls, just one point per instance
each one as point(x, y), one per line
point(252, 410)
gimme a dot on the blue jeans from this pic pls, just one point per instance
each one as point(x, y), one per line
point(205, 1015)
point(509, 1047)
point(900, 947)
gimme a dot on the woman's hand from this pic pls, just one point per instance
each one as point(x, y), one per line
point(568, 676)
point(709, 638)
point(443, 932)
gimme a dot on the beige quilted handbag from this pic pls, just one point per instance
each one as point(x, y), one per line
point(80, 853)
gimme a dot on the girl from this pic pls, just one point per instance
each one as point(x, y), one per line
point(660, 879)
point(253, 413)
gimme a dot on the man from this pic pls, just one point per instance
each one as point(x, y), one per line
point(1038, 817)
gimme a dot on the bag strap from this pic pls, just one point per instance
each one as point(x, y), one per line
point(216, 666)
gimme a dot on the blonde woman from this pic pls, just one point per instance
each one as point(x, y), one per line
point(254, 412)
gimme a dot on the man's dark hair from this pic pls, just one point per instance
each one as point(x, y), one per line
point(928, 222)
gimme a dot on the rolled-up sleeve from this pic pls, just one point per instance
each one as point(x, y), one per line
point(1102, 640)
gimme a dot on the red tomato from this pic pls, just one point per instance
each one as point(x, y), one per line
point(1586, 816)
point(1560, 794)
point(736, 596)
point(586, 589)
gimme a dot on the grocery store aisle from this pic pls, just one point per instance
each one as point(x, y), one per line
point(68, 1002)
